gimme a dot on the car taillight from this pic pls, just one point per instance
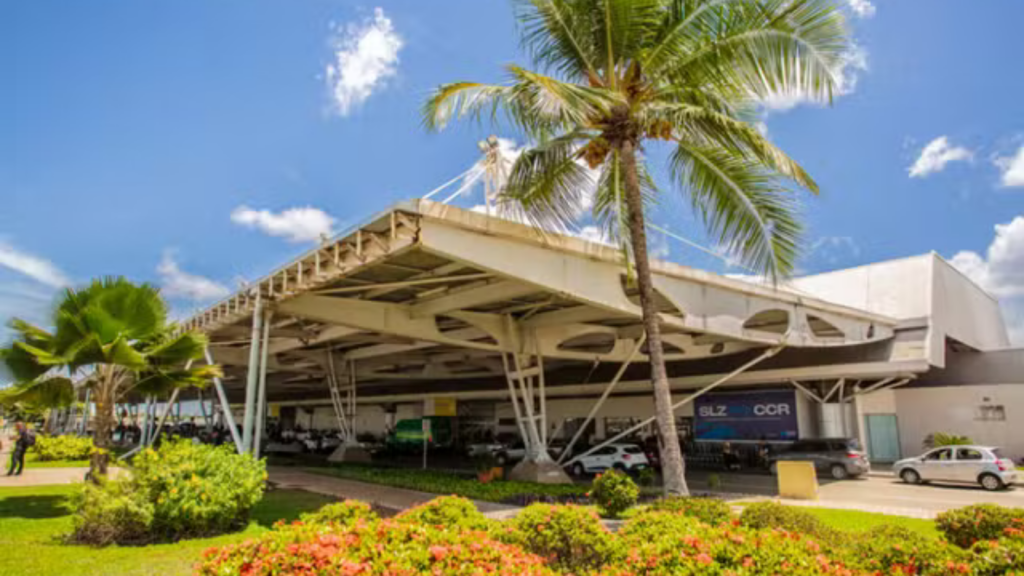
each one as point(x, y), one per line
point(1001, 465)
point(625, 456)
point(852, 455)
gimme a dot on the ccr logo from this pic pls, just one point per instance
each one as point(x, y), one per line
point(771, 409)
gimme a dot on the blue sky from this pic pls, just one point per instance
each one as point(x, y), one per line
point(194, 143)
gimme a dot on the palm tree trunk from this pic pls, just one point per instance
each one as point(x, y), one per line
point(103, 423)
point(673, 468)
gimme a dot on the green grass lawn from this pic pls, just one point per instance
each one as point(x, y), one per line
point(857, 521)
point(32, 520)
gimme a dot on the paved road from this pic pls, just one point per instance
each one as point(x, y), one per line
point(881, 493)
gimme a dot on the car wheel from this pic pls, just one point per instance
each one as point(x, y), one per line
point(501, 459)
point(839, 472)
point(990, 482)
point(577, 470)
point(910, 476)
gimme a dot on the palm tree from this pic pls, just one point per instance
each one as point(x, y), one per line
point(617, 75)
point(114, 337)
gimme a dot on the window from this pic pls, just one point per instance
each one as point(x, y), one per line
point(969, 454)
point(607, 450)
point(941, 455)
point(633, 450)
point(992, 413)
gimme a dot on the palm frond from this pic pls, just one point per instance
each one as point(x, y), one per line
point(611, 213)
point(559, 36)
point(177, 349)
point(547, 183)
point(743, 205)
point(710, 128)
point(49, 392)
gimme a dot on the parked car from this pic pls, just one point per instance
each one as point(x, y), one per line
point(983, 465)
point(840, 458)
point(624, 457)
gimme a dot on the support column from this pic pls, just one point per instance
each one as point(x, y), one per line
point(228, 418)
point(261, 395)
point(253, 377)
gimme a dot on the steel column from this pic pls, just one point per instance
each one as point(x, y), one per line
point(229, 419)
point(261, 394)
point(767, 354)
point(253, 376)
point(604, 396)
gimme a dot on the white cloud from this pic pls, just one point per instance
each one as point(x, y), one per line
point(365, 56)
point(1012, 168)
point(35, 267)
point(834, 250)
point(845, 76)
point(304, 224)
point(862, 8)
point(1000, 271)
point(936, 155)
point(177, 283)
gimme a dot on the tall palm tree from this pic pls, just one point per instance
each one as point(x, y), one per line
point(115, 336)
point(614, 76)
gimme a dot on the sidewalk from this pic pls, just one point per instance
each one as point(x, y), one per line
point(922, 513)
point(43, 477)
point(385, 496)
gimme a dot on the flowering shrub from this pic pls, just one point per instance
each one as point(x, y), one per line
point(197, 489)
point(50, 448)
point(110, 512)
point(1003, 556)
point(344, 513)
point(614, 492)
point(898, 550)
point(669, 543)
point(708, 510)
point(570, 538)
point(180, 490)
point(447, 512)
point(385, 547)
point(789, 518)
point(967, 525)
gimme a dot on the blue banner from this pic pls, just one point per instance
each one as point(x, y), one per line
point(769, 414)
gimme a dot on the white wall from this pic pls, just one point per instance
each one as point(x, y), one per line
point(955, 410)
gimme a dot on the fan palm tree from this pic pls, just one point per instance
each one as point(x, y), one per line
point(114, 337)
point(613, 76)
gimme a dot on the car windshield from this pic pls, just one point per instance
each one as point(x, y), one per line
point(998, 453)
point(853, 444)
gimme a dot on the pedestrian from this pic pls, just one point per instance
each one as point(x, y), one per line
point(25, 438)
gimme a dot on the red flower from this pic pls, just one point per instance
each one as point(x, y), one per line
point(704, 558)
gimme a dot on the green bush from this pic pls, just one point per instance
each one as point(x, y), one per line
point(899, 550)
point(1003, 556)
point(708, 510)
point(669, 543)
point(614, 492)
point(110, 512)
point(767, 515)
point(51, 448)
point(967, 525)
point(387, 547)
point(179, 490)
point(571, 538)
point(447, 512)
point(344, 513)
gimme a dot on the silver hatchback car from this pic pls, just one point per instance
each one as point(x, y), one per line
point(982, 465)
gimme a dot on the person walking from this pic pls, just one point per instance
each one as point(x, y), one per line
point(23, 440)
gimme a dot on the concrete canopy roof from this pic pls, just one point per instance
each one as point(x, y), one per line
point(427, 292)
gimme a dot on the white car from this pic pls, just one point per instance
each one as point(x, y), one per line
point(624, 457)
point(982, 465)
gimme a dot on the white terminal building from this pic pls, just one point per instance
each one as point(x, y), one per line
point(428, 309)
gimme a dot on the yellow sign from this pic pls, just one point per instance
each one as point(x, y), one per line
point(797, 480)
point(440, 407)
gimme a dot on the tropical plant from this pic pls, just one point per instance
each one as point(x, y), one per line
point(114, 337)
point(936, 439)
point(615, 75)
